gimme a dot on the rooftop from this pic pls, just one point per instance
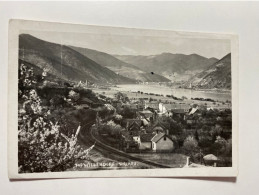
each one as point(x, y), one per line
point(157, 137)
point(131, 121)
point(146, 137)
point(193, 110)
point(176, 106)
point(210, 157)
point(146, 112)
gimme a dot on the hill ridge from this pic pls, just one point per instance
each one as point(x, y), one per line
point(120, 67)
point(75, 65)
point(181, 66)
point(216, 76)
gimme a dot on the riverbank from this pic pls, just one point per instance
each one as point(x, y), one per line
point(159, 93)
point(177, 92)
point(224, 91)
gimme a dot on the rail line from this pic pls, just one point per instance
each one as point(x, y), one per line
point(101, 146)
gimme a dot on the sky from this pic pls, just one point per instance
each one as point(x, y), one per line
point(138, 45)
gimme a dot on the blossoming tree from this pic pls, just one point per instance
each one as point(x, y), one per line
point(42, 147)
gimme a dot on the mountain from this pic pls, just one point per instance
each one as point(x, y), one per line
point(172, 66)
point(66, 65)
point(216, 76)
point(120, 67)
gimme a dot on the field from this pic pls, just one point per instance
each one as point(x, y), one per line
point(110, 93)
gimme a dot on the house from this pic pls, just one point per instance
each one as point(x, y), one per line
point(193, 110)
point(158, 127)
point(161, 107)
point(145, 122)
point(210, 160)
point(210, 108)
point(135, 136)
point(152, 105)
point(181, 113)
point(162, 143)
point(145, 141)
point(179, 110)
point(133, 125)
point(146, 114)
point(129, 143)
point(164, 108)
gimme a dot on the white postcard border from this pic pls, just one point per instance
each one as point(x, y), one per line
point(15, 26)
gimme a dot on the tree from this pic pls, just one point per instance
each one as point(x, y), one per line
point(57, 100)
point(228, 151)
point(175, 128)
point(105, 112)
point(190, 145)
point(121, 97)
point(41, 145)
point(128, 112)
point(111, 128)
point(220, 145)
point(74, 96)
point(118, 118)
point(114, 129)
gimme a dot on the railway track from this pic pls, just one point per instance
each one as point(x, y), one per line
point(88, 138)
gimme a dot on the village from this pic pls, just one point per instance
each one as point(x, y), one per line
point(157, 128)
point(145, 130)
point(152, 126)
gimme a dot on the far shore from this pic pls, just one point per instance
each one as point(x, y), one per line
point(209, 90)
point(228, 91)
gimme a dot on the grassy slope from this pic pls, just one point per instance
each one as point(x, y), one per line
point(74, 67)
point(216, 76)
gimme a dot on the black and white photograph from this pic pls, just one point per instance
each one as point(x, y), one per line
point(113, 99)
point(129, 97)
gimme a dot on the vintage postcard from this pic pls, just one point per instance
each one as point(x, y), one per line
point(94, 101)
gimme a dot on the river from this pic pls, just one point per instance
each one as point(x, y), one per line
point(177, 92)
